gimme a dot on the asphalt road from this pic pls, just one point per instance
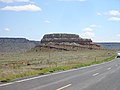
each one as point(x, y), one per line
point(105, 76)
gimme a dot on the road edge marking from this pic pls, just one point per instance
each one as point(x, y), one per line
point(109, 68)
point(6, 84)
point(95, 74)
point(64, 87)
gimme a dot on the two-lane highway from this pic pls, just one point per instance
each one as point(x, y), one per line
point(105, 76)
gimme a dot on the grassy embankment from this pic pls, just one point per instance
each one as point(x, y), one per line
point(13, 66)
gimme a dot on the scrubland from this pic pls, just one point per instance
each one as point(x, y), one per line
point(18, 65)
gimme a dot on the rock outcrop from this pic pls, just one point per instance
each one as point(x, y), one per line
point(65, 42)
point(64, 38)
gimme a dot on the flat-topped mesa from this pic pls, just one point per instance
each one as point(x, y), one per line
point(16, 44)
point(64, 38)
point(53, 36)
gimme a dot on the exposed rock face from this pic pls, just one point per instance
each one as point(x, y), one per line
point(16, 44)
point(66, 42)
point(60, 36)
point(64, 38)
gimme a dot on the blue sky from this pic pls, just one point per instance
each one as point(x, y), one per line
point(31, 19)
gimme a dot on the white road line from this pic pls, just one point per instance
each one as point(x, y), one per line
point(6, 84)
point(95, 74)
point(108, 68)
point(64, 87)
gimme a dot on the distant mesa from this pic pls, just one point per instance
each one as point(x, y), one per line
point(16, 44)
point(110, 45)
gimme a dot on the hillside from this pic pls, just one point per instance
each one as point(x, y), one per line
point(16, 44)
point(111, 46)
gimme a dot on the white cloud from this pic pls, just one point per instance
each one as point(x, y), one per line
point(110, 13)
point(118, 35)
point(99, 14)
point(87, 35)
point(7, 29)
point(88, 32)
point(114, 19)
point(114, 13)
point(11, 1)
point(29, 7)
point(93, 25)
point(47, 21)
point(88, 29)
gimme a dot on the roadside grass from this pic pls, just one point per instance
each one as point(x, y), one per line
point(13, 66)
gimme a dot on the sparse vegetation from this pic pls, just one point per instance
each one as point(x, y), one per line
point(19, 65)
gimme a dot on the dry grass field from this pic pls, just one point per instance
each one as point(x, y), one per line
point(17, 65)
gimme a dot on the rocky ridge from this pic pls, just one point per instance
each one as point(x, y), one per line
point(64, 38)
point(16, 44)
point(61, 41)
